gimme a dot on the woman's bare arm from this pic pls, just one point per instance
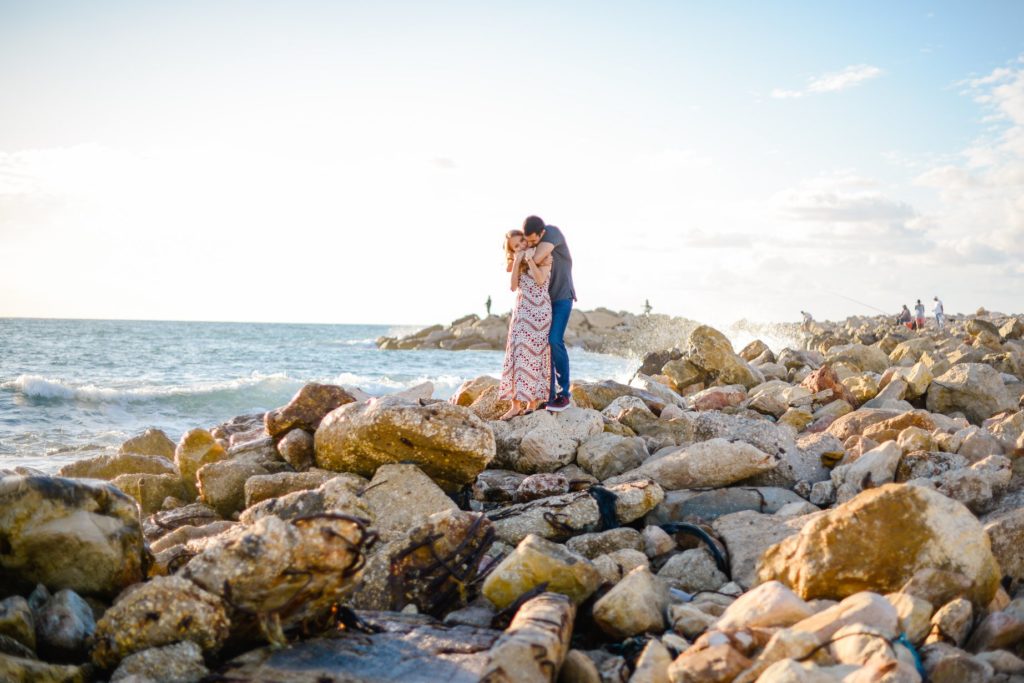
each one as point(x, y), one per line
point(538, 273)
point(515, 270)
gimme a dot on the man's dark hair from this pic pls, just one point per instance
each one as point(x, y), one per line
point(533, 225)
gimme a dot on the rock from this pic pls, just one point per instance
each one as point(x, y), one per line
point(951, 623)
point(914, 615)
point(712, 352)
point(652, 664)
point(111, 466)
point(710, 505)
point(222, 483)
point(64, 627)
point(599, 395)
point(878, 540)
point(338, 495)
point(717, 664)
point(918, 378)
point(161, 523)
point(635, 605)
point(307, 408)
point(449, 443)
point(538, 486)
point(197, 447)
point(874, 468)
point(536, 642)
point(162, 611)
point(560, 517)
point(497, 486)
point(825, 379)
point(770, 604)
point(747, 535)
point(262, 487)
point(150, 442)
point(296, 448)
point(282, 572)
point(785, 646)
point(1002, 661)
point(856, 422)
point(1006, 531)
point(603, 542)
point(976, 485)
point(606, 455)
point(657, 542)
point(865, 358)
point(682, 372)
point(614, 566)
point(977, 443)
point(946, 664)
point(860, 608)
point(688, 620)
point(974, 389)
point(937, 586)
point(94, 524)
point(890, 428)
point(712, 463)
point(470, 390)
point(693, 570)
point(998, 630)
point(177, 663)
point(545, 450)
point(17, 622)
point(717, 398)
point(537, 561)
point(401, 497)
point(22, 670)
point(150, 490)
point(488, 405)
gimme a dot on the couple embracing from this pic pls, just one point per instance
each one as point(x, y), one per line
point(536, 370)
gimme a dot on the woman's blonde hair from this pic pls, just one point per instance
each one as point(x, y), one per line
point(510, 254)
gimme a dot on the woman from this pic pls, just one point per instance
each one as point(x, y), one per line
point(526, 375)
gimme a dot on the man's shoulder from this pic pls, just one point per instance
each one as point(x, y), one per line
point(553, 235)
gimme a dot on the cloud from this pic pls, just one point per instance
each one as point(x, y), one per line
point(831, 82)
point(699, 239)
point(844, 198)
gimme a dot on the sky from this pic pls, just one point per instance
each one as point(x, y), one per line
point(359, 162)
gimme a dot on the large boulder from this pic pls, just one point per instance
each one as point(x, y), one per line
point(878, 540)
point(865, 358)
point(707, 464)
point(712, 352)
point(974, 389)
point(65, 533)
point(150, 442)
point(112, 466)
point(449, 443)
point(307, 408)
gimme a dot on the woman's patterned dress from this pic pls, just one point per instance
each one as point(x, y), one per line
point(526, 375)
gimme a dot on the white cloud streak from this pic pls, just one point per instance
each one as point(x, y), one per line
point(831, 82)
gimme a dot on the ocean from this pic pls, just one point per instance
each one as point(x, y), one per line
point(71, 389)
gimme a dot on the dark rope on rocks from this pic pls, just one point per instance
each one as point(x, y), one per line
point(605, 500)
point(693, 530)
point(502, 619)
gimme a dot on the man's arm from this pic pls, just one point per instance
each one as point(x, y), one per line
point(542, 251)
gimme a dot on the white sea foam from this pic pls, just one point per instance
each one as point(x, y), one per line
point(376, 385)
point(46, 388)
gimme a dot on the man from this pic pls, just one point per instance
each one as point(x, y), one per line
point(547, 239)
point(488, 305)
point(940, 315)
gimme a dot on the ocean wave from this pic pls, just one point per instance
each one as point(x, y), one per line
point(379, 385)
point(52, 389)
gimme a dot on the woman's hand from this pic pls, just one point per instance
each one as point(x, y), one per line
point(530, 253)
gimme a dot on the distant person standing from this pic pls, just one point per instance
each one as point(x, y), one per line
point(547, 239)
point(647, 307)
point(808, 321)
point(488, 305)
point(919, 314)
point(939, 312)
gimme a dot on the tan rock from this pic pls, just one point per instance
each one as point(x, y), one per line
point(718, 664)
point(614, 566)
point(401, 497)
point(878, 541)
point(196, 448)
point(536, 561)
point(914, 615)
point(111, 466)
point(470, 390)
point(712, 352)
point(951, 623)
point(635, 605)
point(860, 608)
point(150, 442)
point(652, 664)
point(713, 463)
point(296, 448)
point(150, 490)
point(307, 408)
point(998, 630)
point(975, 389)
point(769, 605)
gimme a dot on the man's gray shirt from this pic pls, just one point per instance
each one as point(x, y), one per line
point(560, 285)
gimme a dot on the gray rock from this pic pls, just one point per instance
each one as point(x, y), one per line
point(177, 663)
point(16, 621)
point(603, 542)
point(692, 571)
point(296, 449)
point(708, 505)
point(974, 389)
point(64, 627)
point(747, 535)
point(606, 455)
point(707, 464)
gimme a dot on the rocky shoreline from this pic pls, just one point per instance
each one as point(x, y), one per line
point(850, 510)
point(601, 331)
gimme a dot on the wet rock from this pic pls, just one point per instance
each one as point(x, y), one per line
point(770, 604)
point(606, 455)
point(878, 541)
point(283, 572)
point(537, 561)
point(712, 352)
point(449, 443)
point(197, 447)
point(974, 389)
point(712, 464)
point(94, 524)
point(717, 664)
point(111, 466)
point(64, 627)
point(603, 542)
point(150, 490)
point(150, 442)
point(497, 486)
point(561, 517)
point(693, 570)
point(538, 486)
point(296, 448)
point(262, 487)
point(162, 611)
point(16, 621)
point(307, 408)
point(635, 605)
point(177, 663)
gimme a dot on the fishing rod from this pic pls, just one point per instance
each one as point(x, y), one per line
point(861, 303)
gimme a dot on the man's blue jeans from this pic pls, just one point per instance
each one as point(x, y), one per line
point(560, 311)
